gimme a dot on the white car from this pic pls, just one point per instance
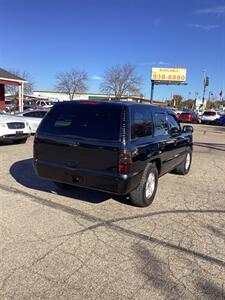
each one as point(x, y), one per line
point(45, 104)
point(33, 117)
point(210, 117)
point(2, 112)
point(14, 129)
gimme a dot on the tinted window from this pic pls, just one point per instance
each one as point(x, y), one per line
point(186, 114)
point(173, 122)
point(36, 114)
point(30, 114)
point(161, 126)
point(209, 113)
point(98, 121)
point(141, 122)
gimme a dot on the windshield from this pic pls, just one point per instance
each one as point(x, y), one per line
point(96, 121)
point(186, 114)
point(209, 113)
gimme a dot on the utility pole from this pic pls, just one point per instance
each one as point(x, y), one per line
point(205, 84)
point(152, 91)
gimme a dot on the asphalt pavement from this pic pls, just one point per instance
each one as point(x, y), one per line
point(82, 244)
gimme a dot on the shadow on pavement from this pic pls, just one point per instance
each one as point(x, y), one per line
point(215, 146)
point(156, 272)
point(216, 231)
point(210, 290)
point(158, 275)
point(22, 171)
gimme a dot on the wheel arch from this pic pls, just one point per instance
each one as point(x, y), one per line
point(158, 164)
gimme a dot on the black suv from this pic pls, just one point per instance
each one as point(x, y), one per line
point(117, 147)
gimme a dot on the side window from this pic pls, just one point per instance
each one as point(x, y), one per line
point(42, 114)
point(161, 126)
point(173, 123)
point(141, 122)
point(35, 114)
point(30, 114)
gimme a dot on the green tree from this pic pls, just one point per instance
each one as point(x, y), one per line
point(190, 104)
point(177, 101)
point(210, 104)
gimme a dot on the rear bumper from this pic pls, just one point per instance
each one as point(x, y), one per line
point(209, 121)
point(97, 180)
point(185, 120)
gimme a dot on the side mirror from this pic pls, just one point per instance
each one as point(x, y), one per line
point(188, 129)
point(174, 131)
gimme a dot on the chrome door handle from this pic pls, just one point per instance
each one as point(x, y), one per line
point(135, 152)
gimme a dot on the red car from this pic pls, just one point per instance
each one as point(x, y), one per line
point(189, 117)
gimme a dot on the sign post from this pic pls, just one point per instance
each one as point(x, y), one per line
point(152, 91)
point(167, 76)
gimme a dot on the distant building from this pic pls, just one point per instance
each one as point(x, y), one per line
point(90, 96)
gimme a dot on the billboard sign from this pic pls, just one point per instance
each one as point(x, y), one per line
point(169, 74)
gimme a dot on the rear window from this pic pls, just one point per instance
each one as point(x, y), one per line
point(186, 114)
point(95, 121)
point(209, 113)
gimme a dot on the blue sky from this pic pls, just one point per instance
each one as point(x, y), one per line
point(47, 36)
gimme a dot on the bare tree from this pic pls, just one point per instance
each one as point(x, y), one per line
point(72, 82)
point(121, 80)
point(28, 86)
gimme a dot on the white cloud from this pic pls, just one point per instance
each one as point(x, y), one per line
point(204, 27)
point(159, 63)
point(163, 63)
point(96, 77)
point(217, 10)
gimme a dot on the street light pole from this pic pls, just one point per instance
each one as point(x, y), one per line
point(203, 96)
point(152, 91)
point(205, 84)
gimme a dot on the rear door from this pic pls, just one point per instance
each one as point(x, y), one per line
point(81, 136)
point(143, 144)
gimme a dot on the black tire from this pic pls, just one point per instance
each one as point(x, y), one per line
point(183, 168)
point(138, 197)
point(62, 186)
point(20, 141)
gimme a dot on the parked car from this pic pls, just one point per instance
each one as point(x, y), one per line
point(45, 104)
point(221, 120)
point(9, 105)
point(210, 117)
point(178, 113)
point(2, 112)
point(14, 129)
point(189, 117)
point(116, 147)
point(33, 117)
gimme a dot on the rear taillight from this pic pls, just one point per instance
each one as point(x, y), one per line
point(125, 162)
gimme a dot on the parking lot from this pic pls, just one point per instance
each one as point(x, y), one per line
point(82, 244)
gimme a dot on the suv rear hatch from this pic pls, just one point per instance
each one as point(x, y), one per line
point(209, 115)
point(79, 139)
point(185, 116)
